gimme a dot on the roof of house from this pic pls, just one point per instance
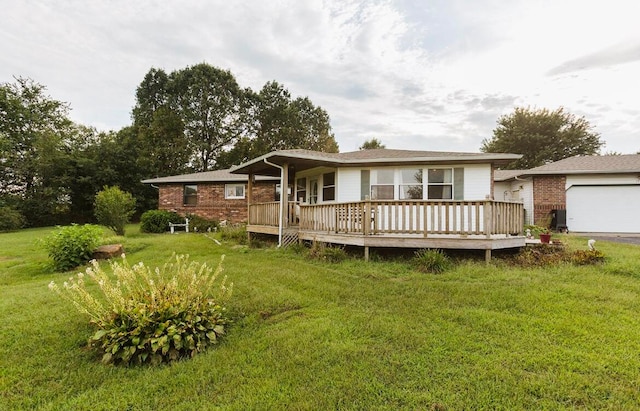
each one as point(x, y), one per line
point(305, 159)
point(609, 164)
point(205, 177)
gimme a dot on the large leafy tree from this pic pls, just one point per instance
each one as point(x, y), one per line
point(276, 121)
point(34, 141)
point(209, 102)
point(542, 136)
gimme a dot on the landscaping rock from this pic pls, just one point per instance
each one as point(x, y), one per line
point(104, 252)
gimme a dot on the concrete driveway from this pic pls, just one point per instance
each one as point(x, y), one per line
point(613, 237)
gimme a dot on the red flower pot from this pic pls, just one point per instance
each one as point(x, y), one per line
point(545, 238)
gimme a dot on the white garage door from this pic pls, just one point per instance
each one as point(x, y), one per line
point(608, 209)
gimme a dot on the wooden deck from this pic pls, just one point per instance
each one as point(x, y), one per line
point(480, 225)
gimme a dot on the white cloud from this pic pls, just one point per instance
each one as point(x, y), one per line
point(431, 74)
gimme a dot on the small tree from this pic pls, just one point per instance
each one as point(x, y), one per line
point(113, 208)
point(372, 144)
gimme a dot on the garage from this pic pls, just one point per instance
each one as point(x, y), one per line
point(604, 208)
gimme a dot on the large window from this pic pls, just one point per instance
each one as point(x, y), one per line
point(301, 190)
point(440, 184)
point(329, 186)
point(233, 191)
point(411, 184)
point(190, 195)
point(382, 184)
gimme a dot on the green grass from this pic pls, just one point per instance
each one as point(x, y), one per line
point(352, 335)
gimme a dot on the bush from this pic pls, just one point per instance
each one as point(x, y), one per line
point(147, 316)
point(236, 233)
point(72, 246)
point(114, 208)
point(321, 251)
point(10, 219)
point(431, 261)
point(586, 257)
point(201, 225)
point(157, 221)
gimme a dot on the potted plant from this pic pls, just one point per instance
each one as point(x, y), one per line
point(545, 237)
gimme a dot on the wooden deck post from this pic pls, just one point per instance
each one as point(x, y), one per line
point(366, 222)
point(488, 218)
point(487, 255)
point(366, 253)
point(249, 202)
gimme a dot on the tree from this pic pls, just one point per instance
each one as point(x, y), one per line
point(114, 208)
point(275, 121)
point(208, 100)
point(542, 136)
point(372, 144)
point(34, 136)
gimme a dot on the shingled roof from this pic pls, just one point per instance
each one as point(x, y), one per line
point(204, 177)
point(304, 159)
point(610, 164)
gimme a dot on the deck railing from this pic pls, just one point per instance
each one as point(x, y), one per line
point(398, 217)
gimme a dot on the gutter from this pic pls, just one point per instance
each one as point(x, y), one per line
point(282, 196)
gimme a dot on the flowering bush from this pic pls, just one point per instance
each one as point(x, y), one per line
point(146, 316)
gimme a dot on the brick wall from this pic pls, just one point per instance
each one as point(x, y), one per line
point(548, 194)
point(211, 203)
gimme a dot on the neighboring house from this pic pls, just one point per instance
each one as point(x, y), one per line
point(387, 198)
point(597, 193)
point(215, 195)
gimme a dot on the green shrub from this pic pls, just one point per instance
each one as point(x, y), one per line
point(72, 246)
point(201, 225)
point(321, 251)
point(10, 219)
point(586, 257)
point(236, 233)
point(157, 221)
point(114, 208)
point(431, 261)
point(152, 316)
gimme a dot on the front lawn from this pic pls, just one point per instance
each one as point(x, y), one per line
point(352, 335)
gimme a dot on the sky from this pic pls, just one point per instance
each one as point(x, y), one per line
point(416, 74)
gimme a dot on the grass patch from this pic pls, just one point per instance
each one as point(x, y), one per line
point(354, 335)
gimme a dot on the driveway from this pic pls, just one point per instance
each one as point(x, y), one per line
point(613, 237)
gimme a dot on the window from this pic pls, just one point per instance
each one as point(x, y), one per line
point(233, 191)
point(301, 190)
point(190, 195)
point(289, 191)
point(329, 186)
point(382, 184)
point(411, 184)
point(313, 191)
point(440, 184)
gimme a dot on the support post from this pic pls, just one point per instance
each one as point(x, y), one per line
point(487, 255)
point(249, 202)
point(488, 218)
point(284, 195)
point(366, 253)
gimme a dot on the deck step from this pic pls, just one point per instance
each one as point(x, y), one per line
point(289, 238)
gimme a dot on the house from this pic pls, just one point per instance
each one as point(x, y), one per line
point(214, 195)
point(591, 193)
point(386, 198)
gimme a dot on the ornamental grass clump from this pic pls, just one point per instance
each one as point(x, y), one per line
point(151, 316)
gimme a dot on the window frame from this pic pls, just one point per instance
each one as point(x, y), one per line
point(235, 197)
point(374, 184)
point(326, 188)
point(450, 184)
point(419, 184)
point(187, 196)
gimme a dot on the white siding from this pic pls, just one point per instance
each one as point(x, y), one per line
point(502, 190)
point(477, 181)
point(348, 184)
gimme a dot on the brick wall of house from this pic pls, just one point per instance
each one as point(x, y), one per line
point(211, 203)
point(549, 194)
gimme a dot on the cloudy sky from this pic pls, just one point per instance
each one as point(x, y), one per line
point(417, 74)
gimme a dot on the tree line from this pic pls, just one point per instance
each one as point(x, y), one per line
point(190, 120)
